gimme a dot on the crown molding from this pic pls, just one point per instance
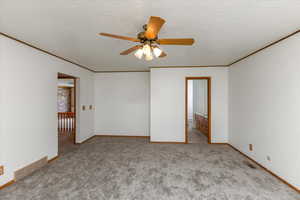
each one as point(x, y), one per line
point(152, 67)
point(200, 66)
point(47, 52)
point(99, 72)
point(265, 47)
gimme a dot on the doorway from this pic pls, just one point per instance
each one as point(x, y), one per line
point(66, 113)
point(198, 110)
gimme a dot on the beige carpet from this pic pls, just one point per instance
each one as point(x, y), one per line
point(133, 169)
point(195, 136)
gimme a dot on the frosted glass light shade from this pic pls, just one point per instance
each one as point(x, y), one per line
point(147, 50)
point(157, 52)
point(149, 57)
point(139, 53)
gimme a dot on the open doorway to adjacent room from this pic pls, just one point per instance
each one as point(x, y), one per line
point(66, 113)
point(198, 110)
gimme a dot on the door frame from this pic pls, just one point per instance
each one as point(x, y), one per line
point(208, 106)
point(66, 76)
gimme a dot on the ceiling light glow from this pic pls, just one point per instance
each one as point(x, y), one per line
point(157, 51)
point(139, 53)
point(148, 52)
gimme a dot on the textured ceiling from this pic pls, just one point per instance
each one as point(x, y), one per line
point(224, 30)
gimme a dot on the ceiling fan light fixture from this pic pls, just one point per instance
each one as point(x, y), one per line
point(139, 53)
point(149, 57)
point(147, 52)
point(147, 49)
point(149, 41)
point(157, 51)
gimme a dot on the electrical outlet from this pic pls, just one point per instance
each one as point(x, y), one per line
point(91, 107)
point(250, 147)
point(268, 158)
point(1, 170)
point(83, 107)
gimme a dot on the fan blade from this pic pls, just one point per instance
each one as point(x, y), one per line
point(130, 50)
point(176, 41)
point(120, 37)
point(163, 54)
point(153, 27)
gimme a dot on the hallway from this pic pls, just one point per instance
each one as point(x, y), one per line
point(196, 137)
point(66, 142)
point(66, 113)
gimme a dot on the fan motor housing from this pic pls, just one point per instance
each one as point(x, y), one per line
point(141, 36)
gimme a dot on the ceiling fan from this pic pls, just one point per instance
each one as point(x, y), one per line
point(149, 41)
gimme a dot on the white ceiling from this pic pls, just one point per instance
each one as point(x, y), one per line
point(224, 30)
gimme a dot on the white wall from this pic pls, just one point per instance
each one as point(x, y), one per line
point(28, 98)
point(1, 101)
point(190, 101)
point(168, 102)
point(122, 103)
point(265, 107)
point(200, 97)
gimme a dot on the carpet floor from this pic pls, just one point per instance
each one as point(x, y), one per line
point(133, 169)
point(195, 136)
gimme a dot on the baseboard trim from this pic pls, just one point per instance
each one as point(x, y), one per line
point(127, 136)
point(7, 184)
point(120, 136)
point(221, 143)
point(166, 142)
point(52, 159)
point(14, 181)
point(265, 169)
point(30, 168)
point(86, 140)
